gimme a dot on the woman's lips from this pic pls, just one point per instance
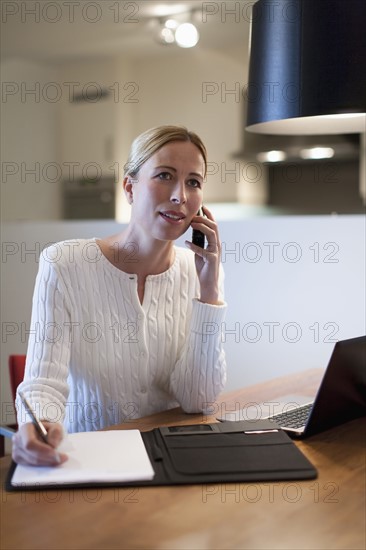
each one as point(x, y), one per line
point(172, 217)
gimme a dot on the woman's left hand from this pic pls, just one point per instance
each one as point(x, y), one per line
point(207, 259)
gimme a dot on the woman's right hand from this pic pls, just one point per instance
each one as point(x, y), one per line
point(29, 449)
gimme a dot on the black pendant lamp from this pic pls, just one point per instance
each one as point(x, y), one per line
point(307, 71)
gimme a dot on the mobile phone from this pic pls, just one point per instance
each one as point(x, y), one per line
point(198, 238)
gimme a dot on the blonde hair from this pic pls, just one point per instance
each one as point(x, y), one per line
point(150, 141)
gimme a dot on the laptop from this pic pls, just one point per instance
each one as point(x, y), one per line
point(341, 396)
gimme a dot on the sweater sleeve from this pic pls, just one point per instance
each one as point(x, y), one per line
point(45, 380)
point(200, 373)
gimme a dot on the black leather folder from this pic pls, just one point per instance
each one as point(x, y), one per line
point(226, 452)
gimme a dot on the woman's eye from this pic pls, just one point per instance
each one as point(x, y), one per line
point(164, 176)
point(194, 183)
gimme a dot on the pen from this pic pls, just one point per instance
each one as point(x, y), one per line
point(36, 422)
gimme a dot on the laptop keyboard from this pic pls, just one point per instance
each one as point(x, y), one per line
point(295, 418)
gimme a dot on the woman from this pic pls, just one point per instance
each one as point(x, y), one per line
point(125, 326)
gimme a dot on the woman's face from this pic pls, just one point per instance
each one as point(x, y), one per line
point(167, 191)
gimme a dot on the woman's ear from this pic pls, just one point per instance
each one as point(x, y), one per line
point(128, 182)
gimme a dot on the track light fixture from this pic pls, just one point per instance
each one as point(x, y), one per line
point(183, 33)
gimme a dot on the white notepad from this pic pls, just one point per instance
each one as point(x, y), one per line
point(116, 455)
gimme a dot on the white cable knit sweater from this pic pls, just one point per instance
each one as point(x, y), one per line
point(97, 357)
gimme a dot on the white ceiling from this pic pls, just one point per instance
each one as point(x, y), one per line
point(123, 27)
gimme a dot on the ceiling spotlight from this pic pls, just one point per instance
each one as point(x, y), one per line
point(271, 156)
point(166, 36)
point(171, 24)
point(186, 35)
point(317, 153)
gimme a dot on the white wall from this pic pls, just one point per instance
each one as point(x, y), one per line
point(301, 277)
point(193, 89)
point(28, 142)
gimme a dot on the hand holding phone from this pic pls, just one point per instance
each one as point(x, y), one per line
point(198, 238)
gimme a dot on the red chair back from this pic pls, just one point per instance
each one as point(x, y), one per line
point(16, 372)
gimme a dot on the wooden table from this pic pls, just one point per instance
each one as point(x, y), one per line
point(326, 513)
